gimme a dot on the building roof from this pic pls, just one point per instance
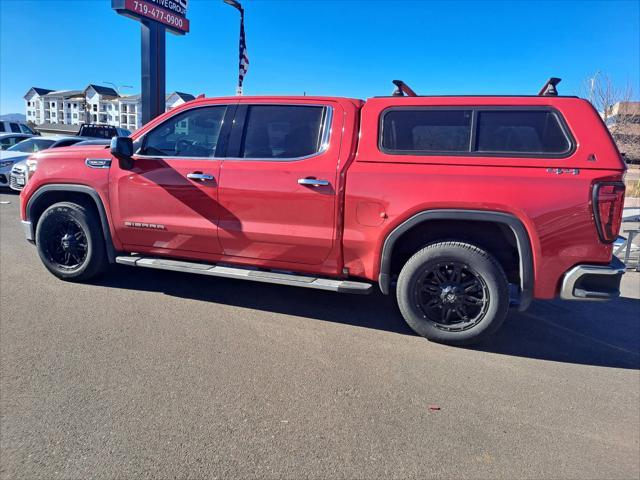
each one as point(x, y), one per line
point(184, 96)
point(41, 91)
point(65, 93)
point(105, 91)
point(131, 97)
point(38, 90)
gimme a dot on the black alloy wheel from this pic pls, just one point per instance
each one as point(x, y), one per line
point(452, 296)
point(453, 292)
point(66, 245)
point(70, 241)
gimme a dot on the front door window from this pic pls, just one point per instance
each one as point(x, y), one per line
point(193, 133)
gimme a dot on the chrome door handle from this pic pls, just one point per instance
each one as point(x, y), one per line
point(199, 176)
point(313, 182)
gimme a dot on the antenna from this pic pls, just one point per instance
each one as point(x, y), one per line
point(549, 89)
point(116, 87)
point(402, 89)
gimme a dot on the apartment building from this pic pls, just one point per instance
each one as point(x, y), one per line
point(130, 108)
point(95, 104)
point(34, 100)
point(101, 104)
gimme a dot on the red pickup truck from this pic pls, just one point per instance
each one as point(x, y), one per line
point(461, 205)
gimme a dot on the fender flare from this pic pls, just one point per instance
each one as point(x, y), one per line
point(525, 251)
point(68, 187)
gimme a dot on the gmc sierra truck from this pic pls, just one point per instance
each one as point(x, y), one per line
point(463, 206)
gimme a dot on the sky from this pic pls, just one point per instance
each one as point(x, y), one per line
point(332, 47)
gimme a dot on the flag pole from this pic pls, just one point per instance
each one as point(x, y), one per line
point(243, 59)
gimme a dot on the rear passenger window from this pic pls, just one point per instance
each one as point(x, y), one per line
point(283, 131)
point(521, 132)
point(432, 130)
point(15, 128)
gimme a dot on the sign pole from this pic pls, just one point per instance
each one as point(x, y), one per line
point(153, 70)
point(156, 17)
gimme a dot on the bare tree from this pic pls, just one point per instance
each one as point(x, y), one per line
point(618, 112)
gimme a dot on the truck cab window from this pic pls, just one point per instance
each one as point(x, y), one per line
point(193, 133)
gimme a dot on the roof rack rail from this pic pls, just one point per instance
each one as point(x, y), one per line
point(549, 89)
point(403, 89)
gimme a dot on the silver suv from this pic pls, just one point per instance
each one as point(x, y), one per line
point(7, 126)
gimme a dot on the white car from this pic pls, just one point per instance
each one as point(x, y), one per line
point(20, 171)
point(21, 151)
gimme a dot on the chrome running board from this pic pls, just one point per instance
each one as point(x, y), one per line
point(291, 279)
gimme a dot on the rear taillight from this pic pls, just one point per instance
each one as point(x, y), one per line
point(608, 202)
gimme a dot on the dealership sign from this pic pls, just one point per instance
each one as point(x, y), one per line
point(170, 13)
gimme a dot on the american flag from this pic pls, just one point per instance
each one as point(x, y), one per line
point(243, 57)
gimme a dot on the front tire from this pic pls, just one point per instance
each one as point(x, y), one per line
point(453, 293)
point(70, 242)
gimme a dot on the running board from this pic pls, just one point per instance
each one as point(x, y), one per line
point(342, 286)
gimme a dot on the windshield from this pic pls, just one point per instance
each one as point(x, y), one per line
point(32, 145)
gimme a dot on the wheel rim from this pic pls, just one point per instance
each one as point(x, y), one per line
point(452, 296)
point(67, 245)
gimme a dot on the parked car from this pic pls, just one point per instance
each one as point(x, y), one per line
point(21, 151)
point(8, 140)
point(20, 171)
point(7, 126)
point(460, 205)
point(102, 131)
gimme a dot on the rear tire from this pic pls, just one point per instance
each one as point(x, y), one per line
point(453, 293)
point(70, 242)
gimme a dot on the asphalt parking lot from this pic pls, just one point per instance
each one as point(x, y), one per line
point(147, 374)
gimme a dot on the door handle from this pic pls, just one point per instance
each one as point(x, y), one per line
point(313, 182)
point(199, 176)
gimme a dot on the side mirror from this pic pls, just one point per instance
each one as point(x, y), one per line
point(122, 149)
